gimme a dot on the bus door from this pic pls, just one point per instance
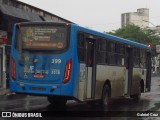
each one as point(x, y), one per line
point(91, 72)
point(129, 70)
point(148, 75)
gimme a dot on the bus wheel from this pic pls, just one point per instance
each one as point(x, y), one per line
point(57, 101)
point(92, 102)
point(105, 96)
point(136, 97)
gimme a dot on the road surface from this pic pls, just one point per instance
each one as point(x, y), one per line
point(149, 102)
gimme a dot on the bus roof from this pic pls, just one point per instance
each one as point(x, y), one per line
point(112, 37)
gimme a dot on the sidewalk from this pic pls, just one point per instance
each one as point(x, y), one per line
point(4, 91)
point(155, 74)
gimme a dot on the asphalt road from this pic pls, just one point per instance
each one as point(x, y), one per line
point(149, 102)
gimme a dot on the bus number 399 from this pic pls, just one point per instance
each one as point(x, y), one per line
point(56, 61)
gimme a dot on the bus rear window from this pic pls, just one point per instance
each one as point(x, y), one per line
point(43, 37)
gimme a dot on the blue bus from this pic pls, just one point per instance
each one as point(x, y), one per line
point(64, 61)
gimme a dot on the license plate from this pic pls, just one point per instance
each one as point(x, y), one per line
point(38, 76)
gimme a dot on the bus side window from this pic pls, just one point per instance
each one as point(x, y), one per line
point(102, 51)
point(112, 53)
point(142, 58)
point(136, 57)
point(120, 54)
point(80, 47)
point(112, 47)
point(90, 54)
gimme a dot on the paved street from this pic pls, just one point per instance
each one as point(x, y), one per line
point(149, 102)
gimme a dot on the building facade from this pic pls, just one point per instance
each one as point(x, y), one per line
point(11, 12)
point(138, 18)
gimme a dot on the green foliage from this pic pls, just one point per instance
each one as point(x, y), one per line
point(130, 32)
point(135, 33)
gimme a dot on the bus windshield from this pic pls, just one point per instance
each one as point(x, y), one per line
point(42, 37)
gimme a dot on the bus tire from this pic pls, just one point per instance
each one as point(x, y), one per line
point(57, 101)
point(91, 103)
point(137, 97)
point(106, 95)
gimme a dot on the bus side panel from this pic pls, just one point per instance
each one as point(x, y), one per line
point(82, 79)
point(78, 88)
point(102, 74)
point(71, 88)
point(119, 82)
point(136, 78)
point(115, 75)
point(67, 88)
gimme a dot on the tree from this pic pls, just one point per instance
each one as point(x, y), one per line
point(137, 34)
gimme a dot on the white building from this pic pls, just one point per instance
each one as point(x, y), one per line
point(138, 18)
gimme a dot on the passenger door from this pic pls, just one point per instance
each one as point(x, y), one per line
point(91, 68)
point(129, 70)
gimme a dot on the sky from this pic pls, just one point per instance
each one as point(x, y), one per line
point(100, 15)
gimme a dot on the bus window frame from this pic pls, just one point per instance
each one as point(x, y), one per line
point(78, 34)
point(108, 51)
point(136, 56)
